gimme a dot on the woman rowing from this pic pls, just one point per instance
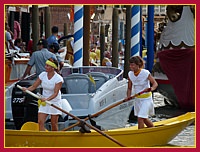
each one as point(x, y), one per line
point(51, 83)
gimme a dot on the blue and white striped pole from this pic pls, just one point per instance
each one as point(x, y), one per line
point(78, 35)
point(135, 31)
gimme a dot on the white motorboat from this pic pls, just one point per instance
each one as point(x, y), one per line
point(87, 90)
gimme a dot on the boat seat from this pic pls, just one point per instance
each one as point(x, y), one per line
point(100, 78)
point(77, 83)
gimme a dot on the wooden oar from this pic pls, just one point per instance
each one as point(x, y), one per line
point(78, 119)
point(107, 108)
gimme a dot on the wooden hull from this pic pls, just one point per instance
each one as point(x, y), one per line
point(164, 132)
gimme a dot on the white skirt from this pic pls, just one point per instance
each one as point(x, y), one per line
point(144, 107)
point(47, 109)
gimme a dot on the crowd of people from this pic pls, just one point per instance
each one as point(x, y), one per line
point(13, 39)
point(95, 56)
point(15, 42)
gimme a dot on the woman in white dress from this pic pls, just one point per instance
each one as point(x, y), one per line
point(140, 80)
point(51, 83)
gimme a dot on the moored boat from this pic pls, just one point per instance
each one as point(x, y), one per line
point(87, 90)
point(163, 132)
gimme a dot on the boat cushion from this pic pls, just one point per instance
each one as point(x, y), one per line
point(77, 83)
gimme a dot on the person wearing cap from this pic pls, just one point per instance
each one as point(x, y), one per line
point(51, 83)
point(39, 58)
point(54, 49)
point(53, 38)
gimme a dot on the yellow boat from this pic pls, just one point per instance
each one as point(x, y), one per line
point(163, 132)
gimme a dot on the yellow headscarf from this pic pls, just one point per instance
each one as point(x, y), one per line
point(51, 64)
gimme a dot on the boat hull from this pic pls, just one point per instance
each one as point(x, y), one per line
point(129, 137)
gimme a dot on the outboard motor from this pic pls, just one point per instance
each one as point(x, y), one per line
point(24, 106)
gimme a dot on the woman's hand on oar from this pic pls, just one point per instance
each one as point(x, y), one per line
point(23, 89)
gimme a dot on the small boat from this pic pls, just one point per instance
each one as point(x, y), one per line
point(163, 132)
point(86, 90)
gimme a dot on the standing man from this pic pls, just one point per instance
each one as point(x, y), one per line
point(98, 53)
point(53, 38)
point(8, 38)
point(17, 30)
point(39, 58)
